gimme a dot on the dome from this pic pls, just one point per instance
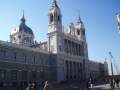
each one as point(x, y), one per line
point(22, 28)
point(25, 28)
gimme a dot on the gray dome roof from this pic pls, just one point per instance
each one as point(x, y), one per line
point(23, 27)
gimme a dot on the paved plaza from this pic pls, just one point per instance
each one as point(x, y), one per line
point(66, 86)
point(104, 87)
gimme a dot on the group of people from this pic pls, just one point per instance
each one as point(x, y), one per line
point(47, 86)
point(89, 85)
point(114, 82)
point(32, 86)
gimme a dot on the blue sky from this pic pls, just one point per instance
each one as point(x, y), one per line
point(98, 16)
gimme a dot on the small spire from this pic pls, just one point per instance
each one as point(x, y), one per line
point(23, 14)
point(23, 18)
point(79, 20)
point(54, 4)
point(105, 59)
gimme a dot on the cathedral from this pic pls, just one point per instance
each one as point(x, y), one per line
point(63, 57)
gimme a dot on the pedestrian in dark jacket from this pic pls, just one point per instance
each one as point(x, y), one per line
point(117, 82)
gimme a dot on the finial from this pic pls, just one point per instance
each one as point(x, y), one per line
point(23, 14)
point(79, 19)
point(54, 1)
point(23, 18)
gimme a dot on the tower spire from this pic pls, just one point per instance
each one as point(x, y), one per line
point(54, 4)
point(23, 18)
point(79, 20)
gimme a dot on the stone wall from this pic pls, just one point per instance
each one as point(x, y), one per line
point(22, 65)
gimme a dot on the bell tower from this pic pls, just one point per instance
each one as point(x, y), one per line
point(80, 30)
point(80, 33)
point(55, 18)
point(55, 37)
point(54, 28)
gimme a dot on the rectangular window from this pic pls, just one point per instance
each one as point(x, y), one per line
point(2, 74)
point(34, 75)
point(14, 75)
point(3, 53)
point(25, 58)
point(34, 59)
point(60, 48)
point(15, 56)
point(24, 75)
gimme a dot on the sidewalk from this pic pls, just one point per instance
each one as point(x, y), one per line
point(104, 87)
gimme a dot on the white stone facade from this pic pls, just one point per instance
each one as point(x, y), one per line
point(71, 49)
point(64, 56)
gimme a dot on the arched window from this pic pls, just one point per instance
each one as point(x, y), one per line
point(59, 18)
point(15, 54)
point(83, 32)
point(51, 18)
point(78, 32)
point(14, 38)
point(19, 36)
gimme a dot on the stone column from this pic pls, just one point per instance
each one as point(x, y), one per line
point(73, 73)
point(70, 47)
point(73, 48)
point(19, 75)
point(69, 72)
point(80, 71)
point(66, 69)
point(67, 45)
point(29, 75)
point(8, 76)
point(74, 70)
point(80, 52)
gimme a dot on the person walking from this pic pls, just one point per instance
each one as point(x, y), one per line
point(28, 87)
point(47, 86)
point(112, 84)
point(117, 82)
point(88, 85)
